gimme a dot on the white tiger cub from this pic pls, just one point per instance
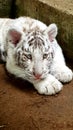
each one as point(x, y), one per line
point(32, 53)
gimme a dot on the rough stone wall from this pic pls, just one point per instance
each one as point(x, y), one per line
point(5, 8)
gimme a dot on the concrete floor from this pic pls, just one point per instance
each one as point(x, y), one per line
point(22, 108)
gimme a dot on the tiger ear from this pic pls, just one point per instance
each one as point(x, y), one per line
point(14, 36)
point(52, 31)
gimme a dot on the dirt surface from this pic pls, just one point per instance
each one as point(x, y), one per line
point(22, 108)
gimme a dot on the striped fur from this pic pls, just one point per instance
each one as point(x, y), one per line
point(31, 52)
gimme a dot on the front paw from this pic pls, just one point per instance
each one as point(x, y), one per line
point(50, 88)
point(69, 76)
point(66, 75)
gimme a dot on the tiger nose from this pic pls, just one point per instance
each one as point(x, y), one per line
point(37, 76)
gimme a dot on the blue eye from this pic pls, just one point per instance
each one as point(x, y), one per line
point(29, 56)
point(45, 56)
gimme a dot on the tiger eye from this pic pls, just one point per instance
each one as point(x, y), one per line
point(45, 56)
point(29, 56)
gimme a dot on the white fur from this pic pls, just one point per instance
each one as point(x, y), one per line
point(50, 80)
point(48, 86)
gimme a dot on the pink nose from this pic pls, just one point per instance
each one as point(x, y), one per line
point(37, 76)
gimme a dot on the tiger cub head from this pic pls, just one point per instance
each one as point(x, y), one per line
point(32, 51)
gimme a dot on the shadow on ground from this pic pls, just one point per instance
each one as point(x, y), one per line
point(22, 108)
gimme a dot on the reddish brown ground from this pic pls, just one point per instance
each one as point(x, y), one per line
point(22, 108)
